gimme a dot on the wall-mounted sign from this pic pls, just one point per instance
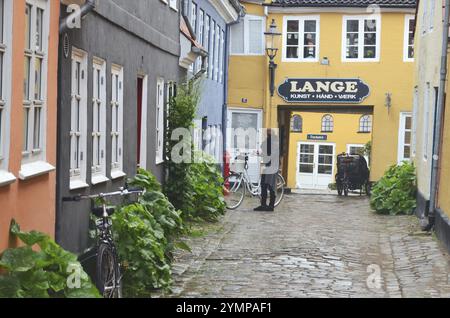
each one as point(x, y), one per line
point(317, 137)
point(307, 90)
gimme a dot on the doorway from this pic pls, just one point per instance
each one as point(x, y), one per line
point(315, 165)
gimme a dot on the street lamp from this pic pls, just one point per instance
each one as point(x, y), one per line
point(272, 37)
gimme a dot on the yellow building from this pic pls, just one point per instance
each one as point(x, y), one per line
point(344, 77)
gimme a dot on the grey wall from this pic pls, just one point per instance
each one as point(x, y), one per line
point(143, 37)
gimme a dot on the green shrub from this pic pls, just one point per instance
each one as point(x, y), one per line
point(205, 187)
point(147, 233)
point(47, 273)
point(395, 193)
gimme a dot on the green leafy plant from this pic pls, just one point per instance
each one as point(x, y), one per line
point(147, 232)
point(205, 187)
point(50, 272)
point(395, 193)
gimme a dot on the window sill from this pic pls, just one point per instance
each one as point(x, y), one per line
point(34, 169)
point(364, 132)
point(6, 178)
point(99, 179)
point(159, 162)
point(78, 184)
point(116, 174)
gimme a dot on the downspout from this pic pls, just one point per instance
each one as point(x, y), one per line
point(225, 81)
point(438, 124)
point(85, 9)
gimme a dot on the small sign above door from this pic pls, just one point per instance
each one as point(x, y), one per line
point(317, 137)
point(307, 90)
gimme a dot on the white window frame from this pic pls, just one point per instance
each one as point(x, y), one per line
point(426, 120)
point(99, 121)
point(34, 155)
point(246, 36)
point(212, 53)
point(361, 19)
point(406, 45)
point(301, 20)
point(201, 35)
point(349, 146)
point(217, 53)
point(5, 93)
point(173, 4)
point(415, 121)
point(370, 122)
point(327, 120)
point(207, 41)
point(117, 87)
point(159, 128)
point(78, 126)
point(222, 56)
point(401, 137)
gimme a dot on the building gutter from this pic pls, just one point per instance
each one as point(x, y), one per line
point(438, 125)
point(85, 9)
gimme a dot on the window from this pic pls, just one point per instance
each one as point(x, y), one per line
point(410, 24)
point(34, 95)
point(297, 123)
point(327, 123)
point(117, 122)
point(194, 16)
point(207, 42)
point(212, 53)
point(160, 121)
point(426, 120)
point(247, 37)
point(201, 36)
point(365, 124)
point(99, 122)
point(173, 4)
point(415, 118)
point(301, 38)
point(222, 57)
point(217, 54)
point(5, 89)
point(405, 134)
point(78, 119)
point(361, 39)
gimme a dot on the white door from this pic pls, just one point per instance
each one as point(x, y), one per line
point(315, 163)
point(249, 122)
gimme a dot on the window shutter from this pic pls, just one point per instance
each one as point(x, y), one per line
point(237, 38)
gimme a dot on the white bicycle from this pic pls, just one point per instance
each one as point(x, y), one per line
point(237, 184)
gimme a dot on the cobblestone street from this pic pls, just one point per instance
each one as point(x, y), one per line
point(313, 246)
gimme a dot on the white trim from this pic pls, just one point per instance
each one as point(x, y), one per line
point(6, 87)
point(361, 19)
point(144, 123)
point(6, 178)
point(117, 166)
point(78, 171)
point(426, 120)
point(406, 57)
point(246, 36)
point(159, 111)
point(30, 154)
point(301, 20)
point(34, 169)
point(401, 138)
point(78, 184)
point(99, 151)
point(225, 9)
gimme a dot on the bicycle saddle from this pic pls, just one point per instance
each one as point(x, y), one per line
point(98, 212)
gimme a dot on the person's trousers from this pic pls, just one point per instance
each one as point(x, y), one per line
point(264, 189)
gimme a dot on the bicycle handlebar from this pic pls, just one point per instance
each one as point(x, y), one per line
point(122, 192)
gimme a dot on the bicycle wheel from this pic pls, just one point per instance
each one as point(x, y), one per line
point(233, 191)
point(108, 272)
point(281, 184)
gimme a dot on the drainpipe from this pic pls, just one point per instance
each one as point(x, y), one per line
point(85, 9)
point(225, 81)
point(438, 124)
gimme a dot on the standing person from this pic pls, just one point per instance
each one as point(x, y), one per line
point(270, 155)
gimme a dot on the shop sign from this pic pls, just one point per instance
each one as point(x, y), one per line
point(307, 90)
point(317, 137)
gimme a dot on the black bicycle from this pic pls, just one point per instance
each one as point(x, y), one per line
point(101, 262)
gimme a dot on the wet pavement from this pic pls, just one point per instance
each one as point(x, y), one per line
point(313, 246)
